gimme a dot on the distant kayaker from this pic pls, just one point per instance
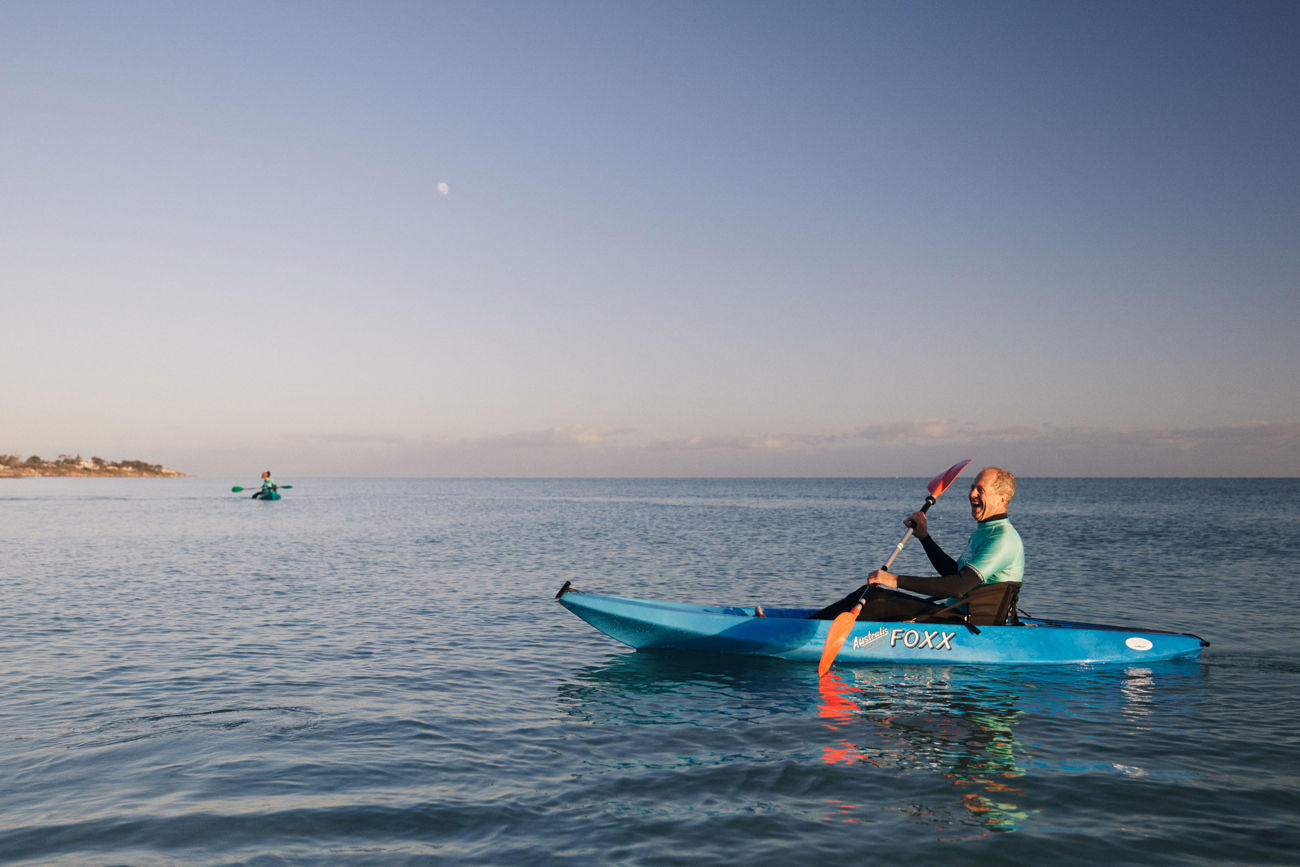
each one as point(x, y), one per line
point(994, 555)
point(268, 485)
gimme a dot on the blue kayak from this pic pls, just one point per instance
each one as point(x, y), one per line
point(787, 633)
point(266, 495)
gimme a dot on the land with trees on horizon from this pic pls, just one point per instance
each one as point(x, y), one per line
point(13, 466)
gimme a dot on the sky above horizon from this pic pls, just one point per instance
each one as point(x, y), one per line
point(652, 239)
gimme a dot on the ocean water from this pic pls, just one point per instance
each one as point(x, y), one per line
point(375, 672)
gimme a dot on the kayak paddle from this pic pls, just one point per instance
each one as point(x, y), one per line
point(236, 489)
point(843, 623)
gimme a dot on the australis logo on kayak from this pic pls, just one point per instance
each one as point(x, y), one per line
point(871, 639)
point(913, 639)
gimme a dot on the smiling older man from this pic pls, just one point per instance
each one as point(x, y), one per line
point(994, 555)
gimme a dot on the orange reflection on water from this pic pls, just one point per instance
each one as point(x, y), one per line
point(836, 705)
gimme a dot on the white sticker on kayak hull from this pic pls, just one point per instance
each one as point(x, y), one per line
point(1137, 643)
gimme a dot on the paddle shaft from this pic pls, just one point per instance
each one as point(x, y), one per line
point(843, 624)
point(929, 501)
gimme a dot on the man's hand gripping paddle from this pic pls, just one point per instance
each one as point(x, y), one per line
point(843, 623)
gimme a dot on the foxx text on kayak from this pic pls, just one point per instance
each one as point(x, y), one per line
point(912, 638)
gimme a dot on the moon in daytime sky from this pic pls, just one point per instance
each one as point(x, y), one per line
point(443, 189)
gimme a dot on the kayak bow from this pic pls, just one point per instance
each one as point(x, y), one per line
point(788, 633)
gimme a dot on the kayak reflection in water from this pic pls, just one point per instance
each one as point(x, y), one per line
point(268, 486)
point(994, 555)
point(966, 737)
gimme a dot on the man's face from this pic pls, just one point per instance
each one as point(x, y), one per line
point(985, 502)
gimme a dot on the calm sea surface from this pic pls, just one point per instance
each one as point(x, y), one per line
point(374, 671)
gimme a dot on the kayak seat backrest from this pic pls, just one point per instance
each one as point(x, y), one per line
point(992, 604)
point(986, 605)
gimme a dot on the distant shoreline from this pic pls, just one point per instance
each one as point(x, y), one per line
point(68, 466)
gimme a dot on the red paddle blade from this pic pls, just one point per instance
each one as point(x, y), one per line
point(940, 483)
point(840, 629)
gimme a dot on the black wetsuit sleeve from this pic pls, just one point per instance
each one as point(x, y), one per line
point(957, 584)
point(942, 563)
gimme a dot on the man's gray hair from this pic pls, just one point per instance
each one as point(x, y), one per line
point(1003, 482)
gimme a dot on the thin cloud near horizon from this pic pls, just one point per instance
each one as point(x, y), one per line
point(903, 447)
point(1266, 434)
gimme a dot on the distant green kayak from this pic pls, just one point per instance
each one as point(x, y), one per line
point(273, 494)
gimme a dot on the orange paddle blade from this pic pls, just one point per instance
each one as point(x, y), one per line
point(940, 483)
point(840, 629)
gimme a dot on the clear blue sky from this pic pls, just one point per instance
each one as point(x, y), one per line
point(655, 238)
